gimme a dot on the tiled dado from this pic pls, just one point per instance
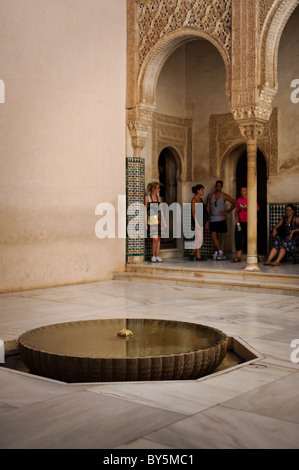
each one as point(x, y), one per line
point(135, 191)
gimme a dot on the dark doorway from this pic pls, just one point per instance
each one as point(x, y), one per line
point(241, 180)
point(168, 189)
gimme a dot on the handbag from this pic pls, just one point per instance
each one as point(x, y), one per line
point(153, 214)
point(153, 219)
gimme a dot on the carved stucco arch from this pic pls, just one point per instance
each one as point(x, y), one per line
point(271, 33)
point(225, 138)
point(236, 150)
point(161, 51)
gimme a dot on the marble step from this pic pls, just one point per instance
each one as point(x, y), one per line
point(239, 280)
point(215, 274)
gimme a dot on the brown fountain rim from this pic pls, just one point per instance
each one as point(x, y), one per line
point(223, 340)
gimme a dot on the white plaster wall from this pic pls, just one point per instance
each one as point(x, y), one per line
point(171, 85)
point(206, 78)
point(170, 97)
point(285, 187)
point(62, 139)
point(192, 85)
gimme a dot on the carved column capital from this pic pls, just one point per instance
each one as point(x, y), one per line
point(251, 130)
point(255, 105)
point(139, 121)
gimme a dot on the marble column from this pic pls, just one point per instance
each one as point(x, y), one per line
point(251, 132)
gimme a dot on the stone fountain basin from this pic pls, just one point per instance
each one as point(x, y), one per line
point(92, 350)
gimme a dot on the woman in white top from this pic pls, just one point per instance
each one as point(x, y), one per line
point(152, 202)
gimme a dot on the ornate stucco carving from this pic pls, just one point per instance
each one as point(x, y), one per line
point(156, 18)
point(250, 105)
point(268, 143)
point(244, 54)
point(139, 121)
point(172, 132)
point(158, 27)
point(225, 136)
point(274, 17)
point(246, 33)
point(257, 30)
point(265, 6)
point(259, 109)
point(252, 131)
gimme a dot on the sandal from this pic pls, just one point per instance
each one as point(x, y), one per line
point(267, 263)
point(236, 260)
point(275, 263)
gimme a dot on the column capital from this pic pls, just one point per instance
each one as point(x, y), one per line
point(255, 106)
point(251, 130)
point(253, 116)
point(139, 122)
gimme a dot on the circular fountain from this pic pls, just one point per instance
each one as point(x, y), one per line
point(123, 350)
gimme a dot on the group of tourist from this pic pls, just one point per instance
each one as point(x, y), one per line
point(214, 217)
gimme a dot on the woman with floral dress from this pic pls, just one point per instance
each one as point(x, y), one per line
point(283, 233)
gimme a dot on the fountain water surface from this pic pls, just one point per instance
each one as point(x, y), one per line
point(123, 350)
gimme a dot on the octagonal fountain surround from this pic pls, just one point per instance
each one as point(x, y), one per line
point(123, 350)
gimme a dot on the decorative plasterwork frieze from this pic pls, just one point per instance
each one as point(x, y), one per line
point(139, 118)
point(244, 53)
point(251, 98)
point(225, 136)
point(246, 33)
point(156, 18)
point(265, 6)
point(268, 143)
point(274, 15)
point(160, 27)
point(175, 133)
point(259, 108)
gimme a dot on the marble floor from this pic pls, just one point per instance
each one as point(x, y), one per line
point(250, 407)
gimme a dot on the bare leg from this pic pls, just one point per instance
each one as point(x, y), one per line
point(156, 246)
point(219, 236)
point(281, 255)
point(215, 238)
point(272, 255)
point(197, 252)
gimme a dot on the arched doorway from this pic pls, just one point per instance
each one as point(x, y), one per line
point(170, 45)
point(241, 180)
point(168, 189)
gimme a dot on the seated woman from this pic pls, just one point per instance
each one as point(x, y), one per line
point(283, 233)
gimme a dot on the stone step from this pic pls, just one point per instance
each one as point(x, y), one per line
point(200, 272)
point(229, 280)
